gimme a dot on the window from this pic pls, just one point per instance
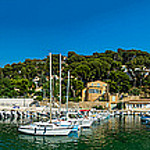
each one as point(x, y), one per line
point(94, 91)
point(41, 126)
point(113, 98)
point(98, 84)
point(72, 116)
point(107, 104)
point(104, 92)
point(49, 126)
point(90, 90)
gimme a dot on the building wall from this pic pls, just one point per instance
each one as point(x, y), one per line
point(11, 102)
point(88, 104)
point(94, 90)
point(83, 94)
point(137, 106)
point(135, 102)
point(113, 100)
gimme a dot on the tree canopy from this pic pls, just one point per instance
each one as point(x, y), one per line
point(122, 70)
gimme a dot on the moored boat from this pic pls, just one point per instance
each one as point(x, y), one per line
point(145, 117)
point(45, 128)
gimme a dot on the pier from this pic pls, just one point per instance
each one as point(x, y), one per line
point(130, 112)
point(29, 112)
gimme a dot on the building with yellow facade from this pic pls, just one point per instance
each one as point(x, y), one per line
point(94, 91)
point(99, 91)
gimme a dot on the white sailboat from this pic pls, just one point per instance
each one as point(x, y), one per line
point(46, 128)
point(73, 117)
point(65, 122)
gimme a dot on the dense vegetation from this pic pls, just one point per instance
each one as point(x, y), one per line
point(126, 71)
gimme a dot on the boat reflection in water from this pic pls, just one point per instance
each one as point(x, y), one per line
point(72, 137)
point(122, 133)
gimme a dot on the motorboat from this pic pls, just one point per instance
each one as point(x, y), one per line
point(63, 123)
point(77, 119)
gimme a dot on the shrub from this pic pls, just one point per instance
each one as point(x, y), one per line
point(39, 98)
point(134, 92)
point(74, 99)
point(99, 107)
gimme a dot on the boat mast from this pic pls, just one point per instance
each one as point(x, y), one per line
point(60, 85)
point(68, 88)
point(50, 59)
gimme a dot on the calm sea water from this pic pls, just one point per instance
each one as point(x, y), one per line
point(126, 133)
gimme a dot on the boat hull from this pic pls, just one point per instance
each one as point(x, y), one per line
point(47, 132)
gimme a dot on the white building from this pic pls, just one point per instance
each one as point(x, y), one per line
point(22, 102)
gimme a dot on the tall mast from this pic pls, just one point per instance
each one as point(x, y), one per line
point(60, 85)
point(68, 84)
point(50, 66)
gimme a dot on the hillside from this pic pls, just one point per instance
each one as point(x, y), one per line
point(126, 71)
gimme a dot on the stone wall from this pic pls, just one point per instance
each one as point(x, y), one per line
point(87, 104)
point(18, 101)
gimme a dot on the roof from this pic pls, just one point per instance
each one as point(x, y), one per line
point(139, 102)
point(98, 81)
point(84, 110)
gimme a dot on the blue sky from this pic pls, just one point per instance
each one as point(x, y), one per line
point(33, 28)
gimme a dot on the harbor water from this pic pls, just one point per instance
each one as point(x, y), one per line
point(116, 133)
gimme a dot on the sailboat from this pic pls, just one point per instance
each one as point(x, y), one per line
point(46, 128)
point(73, 118)
point(61, 121)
